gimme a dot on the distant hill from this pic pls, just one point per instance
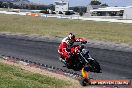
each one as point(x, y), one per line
point(18, 2)
point(6, 0)
point(23, 4)
point(13, 0)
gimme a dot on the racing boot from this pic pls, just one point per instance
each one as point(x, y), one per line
point(62, 60)
point(67, 64)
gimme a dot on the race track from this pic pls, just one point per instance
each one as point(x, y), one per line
point(114, 64)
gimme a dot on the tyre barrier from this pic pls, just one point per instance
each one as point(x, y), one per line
point(42, 66)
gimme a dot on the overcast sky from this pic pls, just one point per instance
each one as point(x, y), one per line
point(86, 2)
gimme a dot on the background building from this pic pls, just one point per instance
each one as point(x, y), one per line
point(95, 4)
point(127, 13)
point(61, 6)
point(112, 12)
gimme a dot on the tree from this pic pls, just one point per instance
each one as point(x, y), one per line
point(95, 2)
point(105, 5)
point(52, 7)
point(10, 4)
point(1, 4)
point(76, 9)
point(81, 13)
point(5, 5)
point(16, 7)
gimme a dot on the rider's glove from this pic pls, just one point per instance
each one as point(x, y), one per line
point(84, 42)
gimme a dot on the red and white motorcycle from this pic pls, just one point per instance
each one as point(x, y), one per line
point(80, 58)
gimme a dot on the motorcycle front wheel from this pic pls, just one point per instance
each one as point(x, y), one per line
point(95, 67)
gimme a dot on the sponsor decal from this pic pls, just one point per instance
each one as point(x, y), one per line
point(85, 80)
point(110, 82)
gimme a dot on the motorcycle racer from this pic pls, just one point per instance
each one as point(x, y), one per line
point(66, 47)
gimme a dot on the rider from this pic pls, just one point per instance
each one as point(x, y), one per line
point(65, 49)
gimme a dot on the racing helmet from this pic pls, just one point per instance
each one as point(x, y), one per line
point(71, 36)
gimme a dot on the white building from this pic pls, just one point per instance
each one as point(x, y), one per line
point(127, 13)
point(61, 6)
point(113, 12)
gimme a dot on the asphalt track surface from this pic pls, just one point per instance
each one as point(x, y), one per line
point(114, 64)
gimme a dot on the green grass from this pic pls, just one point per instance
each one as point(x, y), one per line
point(104, 31)
point(14, 77)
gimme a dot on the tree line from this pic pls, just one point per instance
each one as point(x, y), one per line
point(26, 6)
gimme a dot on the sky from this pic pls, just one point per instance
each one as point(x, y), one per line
point(86, 2)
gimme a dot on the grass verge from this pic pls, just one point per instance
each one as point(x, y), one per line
point(104, 31)
point(15, 77)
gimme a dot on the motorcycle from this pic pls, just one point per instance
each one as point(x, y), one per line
point(80, 58)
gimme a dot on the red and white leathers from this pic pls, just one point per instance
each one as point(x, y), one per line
point(65, 49)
